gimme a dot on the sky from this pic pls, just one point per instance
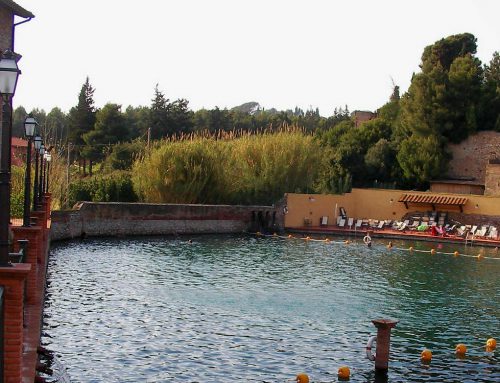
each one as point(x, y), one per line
point(280, 53)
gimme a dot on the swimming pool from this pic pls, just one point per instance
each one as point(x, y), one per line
point(236, 309)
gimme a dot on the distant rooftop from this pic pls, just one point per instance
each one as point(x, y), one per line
point(16, 9)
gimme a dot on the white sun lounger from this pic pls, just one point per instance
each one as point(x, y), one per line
point(350, 221)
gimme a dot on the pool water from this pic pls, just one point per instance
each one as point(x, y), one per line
point(240, 309)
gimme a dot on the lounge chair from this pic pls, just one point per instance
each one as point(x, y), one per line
point(350, 222)
point(396, 225)
point(482, 231)
point(342, 222)
point(461, 231)
point(359, 222)
point(493, 233)
point(414, 225)
point(381, 224)
point(473, 229)
point(404, 226)
point(323, 221)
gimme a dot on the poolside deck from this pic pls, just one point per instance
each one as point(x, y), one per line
point(393, 234)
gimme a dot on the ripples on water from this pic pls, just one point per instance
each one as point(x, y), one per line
point(240, 309)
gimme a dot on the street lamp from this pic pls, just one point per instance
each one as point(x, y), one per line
point(9, 73)
point(38, 143)
point(48, 158)
point(40, 175)
point(29, 131)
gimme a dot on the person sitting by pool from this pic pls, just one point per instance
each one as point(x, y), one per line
point(434, 231)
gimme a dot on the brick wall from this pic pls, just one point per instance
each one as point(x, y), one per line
point(492, 181)
point(6, 20)
point(471, 156)
point(121, 219)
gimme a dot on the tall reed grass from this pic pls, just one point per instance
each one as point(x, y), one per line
point(229, 167)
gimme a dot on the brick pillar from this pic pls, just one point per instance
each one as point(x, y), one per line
point(47, 198)
point(41, 221)
point(34, 256)
point(12, 279)
point(384, 327)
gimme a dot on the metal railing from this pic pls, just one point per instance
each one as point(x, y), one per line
point(20, 256)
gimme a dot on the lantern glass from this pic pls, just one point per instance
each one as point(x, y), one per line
point(9, 72)
point(29, 127)
point(38, 142)
point(42, 150)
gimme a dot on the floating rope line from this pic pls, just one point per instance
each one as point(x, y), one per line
point(479, 257)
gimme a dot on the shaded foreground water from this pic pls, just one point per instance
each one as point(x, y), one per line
point(240, 309)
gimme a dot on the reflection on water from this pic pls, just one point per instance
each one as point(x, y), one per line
point(227, 309)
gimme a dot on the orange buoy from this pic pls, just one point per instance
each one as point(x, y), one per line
point(410, 248)
point(456, 254)
point(491, 343)
point(302, 378)
point(344, 373)
point(433, 251)
point(426, 356)
point(460, 349)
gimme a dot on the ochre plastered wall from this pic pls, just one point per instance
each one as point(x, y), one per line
point(373, 203)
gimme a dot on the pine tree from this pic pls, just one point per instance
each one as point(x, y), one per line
point(82, 119)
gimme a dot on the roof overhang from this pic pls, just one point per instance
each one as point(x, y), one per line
point(433, 200)
point(16, 9)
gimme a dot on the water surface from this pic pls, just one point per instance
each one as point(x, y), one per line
point(240, 309)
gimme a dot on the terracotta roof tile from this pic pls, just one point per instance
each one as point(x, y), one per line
point(433, 199)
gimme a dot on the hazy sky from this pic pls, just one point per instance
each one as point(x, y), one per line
point(282, 54)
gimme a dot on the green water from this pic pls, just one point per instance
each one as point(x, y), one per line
point(239, 309)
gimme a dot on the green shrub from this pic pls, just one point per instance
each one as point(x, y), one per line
point(113, 187)
point(17, 192)
point(249, 169)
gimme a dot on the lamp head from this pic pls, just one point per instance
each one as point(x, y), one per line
point(38, 142)
point(29, 126)
point(9, 73)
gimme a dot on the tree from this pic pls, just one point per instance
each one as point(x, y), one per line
point(421, 159)
point(82, 118)
point(18, 118)
point(158, 115)
point(56, 127)
point(490, 105)
point(109, 128)
point(444, 98)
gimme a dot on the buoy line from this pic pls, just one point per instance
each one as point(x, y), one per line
point(480, 256)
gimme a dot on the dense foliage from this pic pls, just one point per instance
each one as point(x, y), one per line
point(250, 169)
point(247, 155)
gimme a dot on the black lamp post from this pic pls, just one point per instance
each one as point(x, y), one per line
point(9, 73)
point(29, 131)
point(48, 158)
point(41, 152)
point(38, 143)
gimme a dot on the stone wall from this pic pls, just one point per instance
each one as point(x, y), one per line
point(471, 156)
point(6, 20)
point(125, 219)
point(492, 181)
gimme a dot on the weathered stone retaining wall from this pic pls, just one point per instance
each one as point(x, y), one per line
point(123, 219)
